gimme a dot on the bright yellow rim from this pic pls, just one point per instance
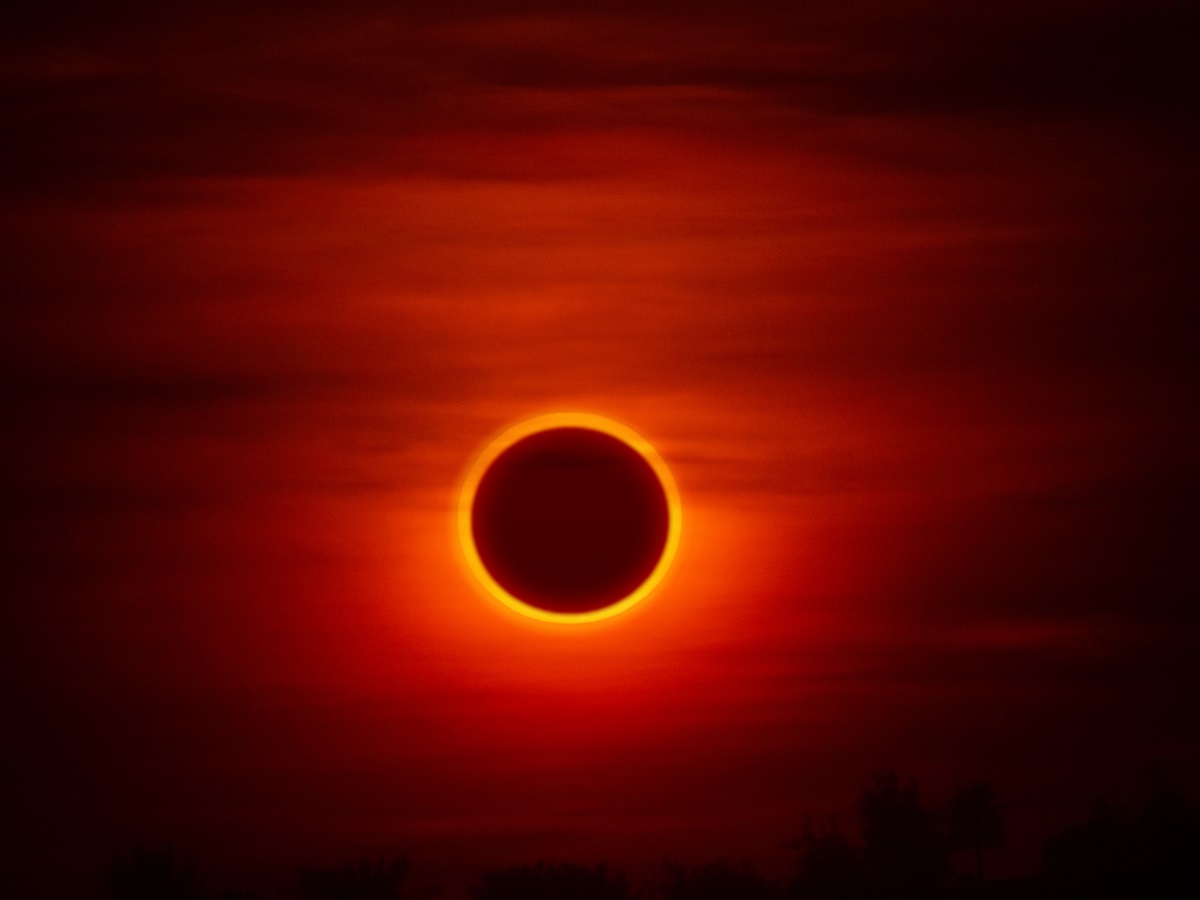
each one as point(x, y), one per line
point(545, 423)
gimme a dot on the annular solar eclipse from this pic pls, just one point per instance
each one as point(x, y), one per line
point(569, 517)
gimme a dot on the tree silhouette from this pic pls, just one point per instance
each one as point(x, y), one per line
point(1169, 829)
point(715, 881)
point(1095, 859)
point(1155, 855)
point(903, 852)
point(382, 880)
point(152, 874)
point(553, 882)
point(829, 867)
point(976, 822)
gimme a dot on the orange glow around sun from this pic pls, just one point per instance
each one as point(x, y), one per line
point(467, 494)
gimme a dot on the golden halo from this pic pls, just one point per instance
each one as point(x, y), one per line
point(545, 423)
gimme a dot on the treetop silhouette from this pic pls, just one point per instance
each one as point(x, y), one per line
point(976, 821)
point(544, 881)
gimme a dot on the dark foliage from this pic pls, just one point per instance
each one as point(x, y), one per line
point(382, 880)
point(152, 874)
point(976, 821)
point(716, 881)
point(1155, 855)
point(553, 882)
point(829, 867)
point(904, 853)
point(900, 854)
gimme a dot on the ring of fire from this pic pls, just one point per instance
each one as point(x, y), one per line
point(569, 517)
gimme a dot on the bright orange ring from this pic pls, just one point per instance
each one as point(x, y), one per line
point(545, 423)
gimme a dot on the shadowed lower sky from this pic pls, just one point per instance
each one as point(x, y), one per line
point(902, 293)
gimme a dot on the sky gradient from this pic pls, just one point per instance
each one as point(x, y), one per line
point(902, 293)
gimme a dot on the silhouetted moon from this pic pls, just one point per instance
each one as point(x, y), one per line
point(569, 517)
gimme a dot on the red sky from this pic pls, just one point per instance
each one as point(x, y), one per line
point(901, 292)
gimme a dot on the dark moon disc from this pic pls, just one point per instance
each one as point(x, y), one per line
point(570, 520)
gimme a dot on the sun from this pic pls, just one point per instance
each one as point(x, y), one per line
point(569, 518)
